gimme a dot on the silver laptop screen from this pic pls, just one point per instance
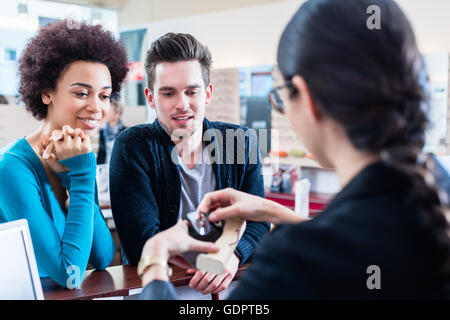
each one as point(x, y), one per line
point(19, 277)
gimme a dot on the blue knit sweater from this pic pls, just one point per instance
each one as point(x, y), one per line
point(64, 243)
point(146, 189)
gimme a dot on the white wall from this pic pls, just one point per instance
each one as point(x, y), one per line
point(431, 23)
point(239, 37)
point(135, 12)
point(143, 11)
point(249, 36)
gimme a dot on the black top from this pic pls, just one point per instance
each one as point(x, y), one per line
point(101, 154)
point(146, 193)
point(370, 235)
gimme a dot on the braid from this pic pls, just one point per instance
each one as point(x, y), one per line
point(430, 198)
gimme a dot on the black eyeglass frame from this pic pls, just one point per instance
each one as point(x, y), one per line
point(274, 96)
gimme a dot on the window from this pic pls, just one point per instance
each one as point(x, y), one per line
point(10, 54)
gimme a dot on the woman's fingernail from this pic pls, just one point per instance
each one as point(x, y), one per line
point(56, 138)
point(45, 155)
point(212, 216)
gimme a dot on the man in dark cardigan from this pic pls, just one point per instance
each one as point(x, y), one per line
point(162, 170)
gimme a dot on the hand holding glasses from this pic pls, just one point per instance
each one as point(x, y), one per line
point(226, 236)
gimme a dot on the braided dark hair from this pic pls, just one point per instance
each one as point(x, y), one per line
point(372, 83)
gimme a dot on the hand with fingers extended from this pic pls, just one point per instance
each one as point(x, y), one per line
point(168, 245)
point(229, 202)
point(207, 282)
point(64, 144)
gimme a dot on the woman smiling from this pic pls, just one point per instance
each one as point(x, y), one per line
point(67, 78)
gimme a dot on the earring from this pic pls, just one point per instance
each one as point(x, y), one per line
point(46, 99)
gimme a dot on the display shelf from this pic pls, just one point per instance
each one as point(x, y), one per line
point(296, 161)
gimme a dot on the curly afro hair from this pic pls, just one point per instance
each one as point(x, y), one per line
point(56, 46)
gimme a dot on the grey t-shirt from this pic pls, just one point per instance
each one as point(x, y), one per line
point(195, 183)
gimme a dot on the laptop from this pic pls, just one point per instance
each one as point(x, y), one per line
point(19, 275)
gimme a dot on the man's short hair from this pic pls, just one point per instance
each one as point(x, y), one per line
point(175, 47)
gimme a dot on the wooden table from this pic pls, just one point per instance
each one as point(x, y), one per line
point(114, 281)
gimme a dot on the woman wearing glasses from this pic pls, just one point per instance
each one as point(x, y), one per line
point(354, 97)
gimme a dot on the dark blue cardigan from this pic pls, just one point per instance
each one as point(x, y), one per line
point(145, 185)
